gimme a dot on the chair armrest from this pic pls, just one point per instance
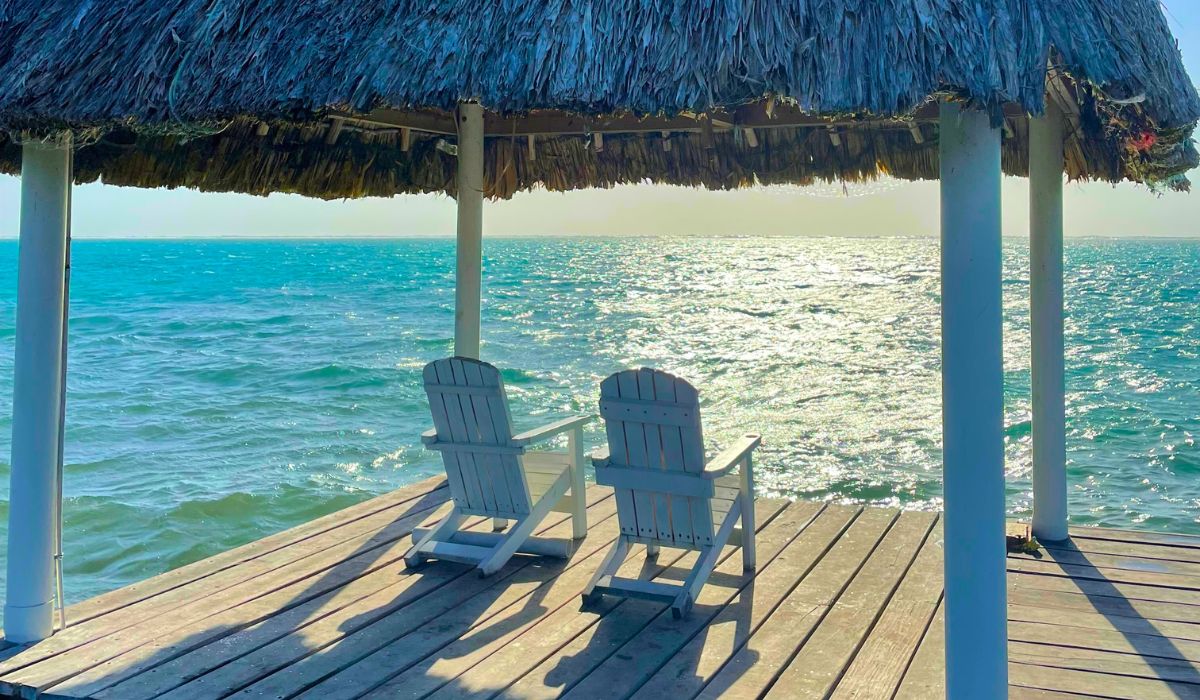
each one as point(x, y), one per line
point(600, 457)
point(549, 431)
point(429, 436)
point(731, 457)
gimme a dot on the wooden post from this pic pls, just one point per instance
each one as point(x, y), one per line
point(1046, 162)
point(468, 278)
point(334, 131)
point(37, 390)
point(973, 407)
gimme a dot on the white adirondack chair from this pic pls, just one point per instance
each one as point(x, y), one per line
point(666, 495)
point(490, 473)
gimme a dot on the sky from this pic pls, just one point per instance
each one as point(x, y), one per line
point(889, 208)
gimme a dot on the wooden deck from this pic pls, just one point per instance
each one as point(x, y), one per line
point(845, 603)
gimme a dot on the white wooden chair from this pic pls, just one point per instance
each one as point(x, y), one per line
point(490, 473)
point(666, 495)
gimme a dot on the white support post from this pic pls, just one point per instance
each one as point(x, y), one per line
point(973, 407)
point(37, 390)
point(468, 279)
point(1046, 162)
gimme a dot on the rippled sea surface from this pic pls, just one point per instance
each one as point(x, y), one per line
point(221, 391)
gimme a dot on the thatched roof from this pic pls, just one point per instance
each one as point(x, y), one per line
point(339, 99)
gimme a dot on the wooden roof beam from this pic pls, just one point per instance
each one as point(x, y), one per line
point(562, 124)
point(1063, 96)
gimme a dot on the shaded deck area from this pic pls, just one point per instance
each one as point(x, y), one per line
point(846, 603)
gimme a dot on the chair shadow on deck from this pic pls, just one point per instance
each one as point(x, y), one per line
point(644, 641)
point(422, 628)
point(1149, 643)
point(190, 666)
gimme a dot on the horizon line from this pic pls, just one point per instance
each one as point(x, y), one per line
point(535, 236)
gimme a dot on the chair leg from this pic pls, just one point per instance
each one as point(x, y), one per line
point(608, 567)
point(682, 606)
point(695, 580)
point(746, 496)
point(522, 529)
point(579, 525)
point(442, 531)
point(705, 564)
point(507, 547)
point(652, 551)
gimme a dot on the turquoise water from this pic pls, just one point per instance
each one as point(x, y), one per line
point(221, 391)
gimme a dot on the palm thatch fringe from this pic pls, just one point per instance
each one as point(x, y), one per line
point(296, 158)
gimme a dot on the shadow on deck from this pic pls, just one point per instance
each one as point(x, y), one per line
point(846, 602)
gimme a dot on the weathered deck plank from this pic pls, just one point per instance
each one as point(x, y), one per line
point(397, 640)
point(888, 650)
point(846, 603)
point(248, 652)
point(818, 666)
point(363, 663)
point(752, 670)
point(1105, 685)
point(619, 638)
point(340, 520)
point(1068, 603)
point(258, 596)
point(925, 676)
point(684, 672)
point(510, 657)
point(305, 556)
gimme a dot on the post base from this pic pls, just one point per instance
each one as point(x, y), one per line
point(1051, 533)
point(26, 625)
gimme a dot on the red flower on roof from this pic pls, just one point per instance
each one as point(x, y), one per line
point(1144, 141)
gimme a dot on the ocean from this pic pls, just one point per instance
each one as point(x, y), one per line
point(223, 390)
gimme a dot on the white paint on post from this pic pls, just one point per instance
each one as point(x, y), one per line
point(37, 391)
point(973, 407)
point(1046, 325)
point(468, 277)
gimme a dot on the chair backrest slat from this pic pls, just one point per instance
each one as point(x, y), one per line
point(635, 446)
point(651, 425)
point(653, 422)
point(469, 407)
point(495, 426)
point(618, 452)
point(692, 439)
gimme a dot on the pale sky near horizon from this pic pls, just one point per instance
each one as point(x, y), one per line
point(891, 209)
